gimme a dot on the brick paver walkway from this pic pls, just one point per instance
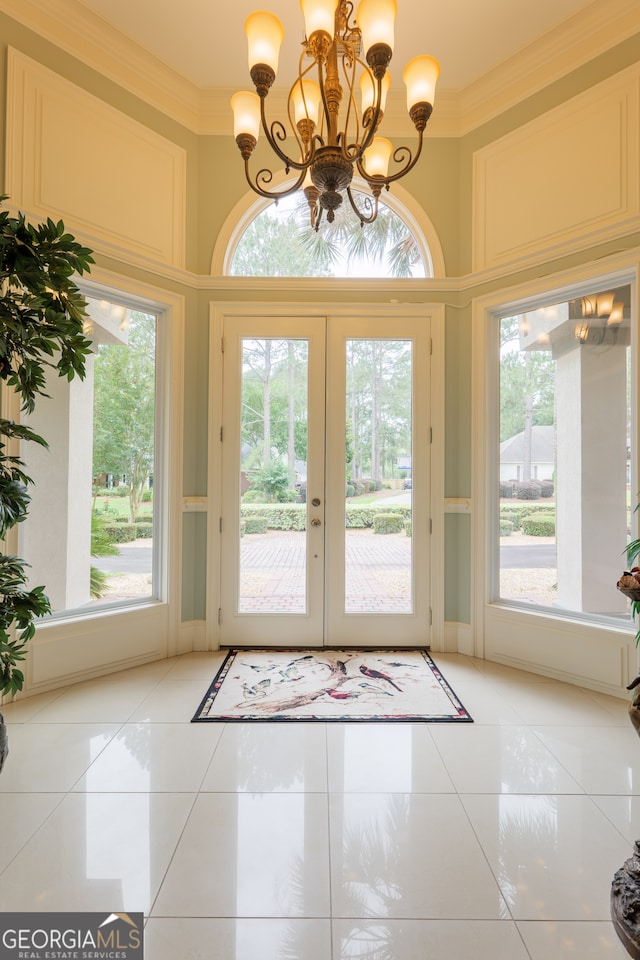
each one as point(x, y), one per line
point(378, 573)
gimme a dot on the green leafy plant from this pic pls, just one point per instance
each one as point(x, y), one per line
point(42, 314)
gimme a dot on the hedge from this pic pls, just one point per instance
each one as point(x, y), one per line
point(517, 512)
point(363, 516)
point(278, 516)
point(293, 516)
point(388, 523)
point(540, 525)
point(506, 528)
point(255, 525)
point(127, 532)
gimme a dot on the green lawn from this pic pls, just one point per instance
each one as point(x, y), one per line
point(117, 508)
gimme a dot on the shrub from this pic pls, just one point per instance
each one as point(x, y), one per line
point(120, 532)
point(528, 490)
point(253, 495)
point(506, 528)
point(147, 496)
point(540, 525)
point(143, 530)
point(358, 486)
point(278, 516)
point(243, 527)
point(350, 490)
point(546, 488)
point(97, 583)
point(101, 543)
point(361, 516)
point(256, 525)
point(388, 523)
point(379, 485)
point(507, 488)
point(407, 527)
point(516, 512)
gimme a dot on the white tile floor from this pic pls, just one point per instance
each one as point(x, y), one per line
point(491, 841)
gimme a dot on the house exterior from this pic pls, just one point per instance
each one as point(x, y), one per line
point(542, 458)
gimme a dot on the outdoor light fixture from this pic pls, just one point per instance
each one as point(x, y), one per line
point(330, 145)
point(601, 307)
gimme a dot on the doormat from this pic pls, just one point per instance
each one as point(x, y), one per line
point(346, 685)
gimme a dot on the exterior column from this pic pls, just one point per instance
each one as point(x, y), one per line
point(591, 510)
point(56, 536)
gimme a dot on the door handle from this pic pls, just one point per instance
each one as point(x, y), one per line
point(315, 502)
point(315, 522)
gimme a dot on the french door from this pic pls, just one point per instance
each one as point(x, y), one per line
point(325, 482)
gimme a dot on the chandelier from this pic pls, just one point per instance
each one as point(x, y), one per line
point(333, 136)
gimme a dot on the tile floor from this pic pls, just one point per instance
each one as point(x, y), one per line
point(491, 841)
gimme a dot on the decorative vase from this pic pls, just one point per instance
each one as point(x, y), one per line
point(625, 888)
point(4, 742)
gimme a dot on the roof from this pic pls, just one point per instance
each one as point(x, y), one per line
point(543, 446)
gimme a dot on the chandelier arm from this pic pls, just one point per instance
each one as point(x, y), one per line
point(278, 131)
point(370, 121)
point(398, 154)
point(325, 102)
point(374, 213)
point(266, 176)
point(349, 61)
point(413, 159)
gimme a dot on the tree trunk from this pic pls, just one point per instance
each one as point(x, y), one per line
point(291, 439)
point(528, 438)
point(266, 404)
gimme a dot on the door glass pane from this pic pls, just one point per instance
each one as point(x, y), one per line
point(89, 538)
point(565, 496)
point(273, 476)
point(378, 554)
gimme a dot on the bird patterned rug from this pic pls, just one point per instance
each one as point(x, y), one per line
point(345, 685)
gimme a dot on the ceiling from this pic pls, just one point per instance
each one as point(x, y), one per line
point(203, 40)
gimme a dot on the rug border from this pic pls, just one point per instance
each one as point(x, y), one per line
point(463, 714)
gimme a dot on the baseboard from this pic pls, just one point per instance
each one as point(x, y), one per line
point(458, 638)
point(192, 636)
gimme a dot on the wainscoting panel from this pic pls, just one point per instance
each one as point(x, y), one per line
point(574, 651)
point(68, 651)
point(112, 180)
point(562, 182)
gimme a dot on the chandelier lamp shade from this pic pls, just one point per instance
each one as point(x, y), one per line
point(335, 105)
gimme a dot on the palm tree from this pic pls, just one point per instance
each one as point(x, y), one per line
point(387, 240)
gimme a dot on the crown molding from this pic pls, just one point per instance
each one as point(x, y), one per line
point(557, 53)
point(80, 32)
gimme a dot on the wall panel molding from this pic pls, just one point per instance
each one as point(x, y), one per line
point(561, 183)
point(72, 156)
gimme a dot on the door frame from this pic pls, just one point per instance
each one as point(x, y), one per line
point(259, 305)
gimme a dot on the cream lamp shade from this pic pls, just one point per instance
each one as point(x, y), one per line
point(367, 91)
point(319, 15)
point(420, 76)
point(306, 100)
point(376, 158)
point(265, 34)
point(246, 113)
point(376, 19)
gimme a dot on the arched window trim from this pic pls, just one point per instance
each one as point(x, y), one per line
point(400, 201)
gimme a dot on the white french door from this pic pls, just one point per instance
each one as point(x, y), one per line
point(334, 412)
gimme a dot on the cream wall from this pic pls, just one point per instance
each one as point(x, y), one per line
point(209, 181)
